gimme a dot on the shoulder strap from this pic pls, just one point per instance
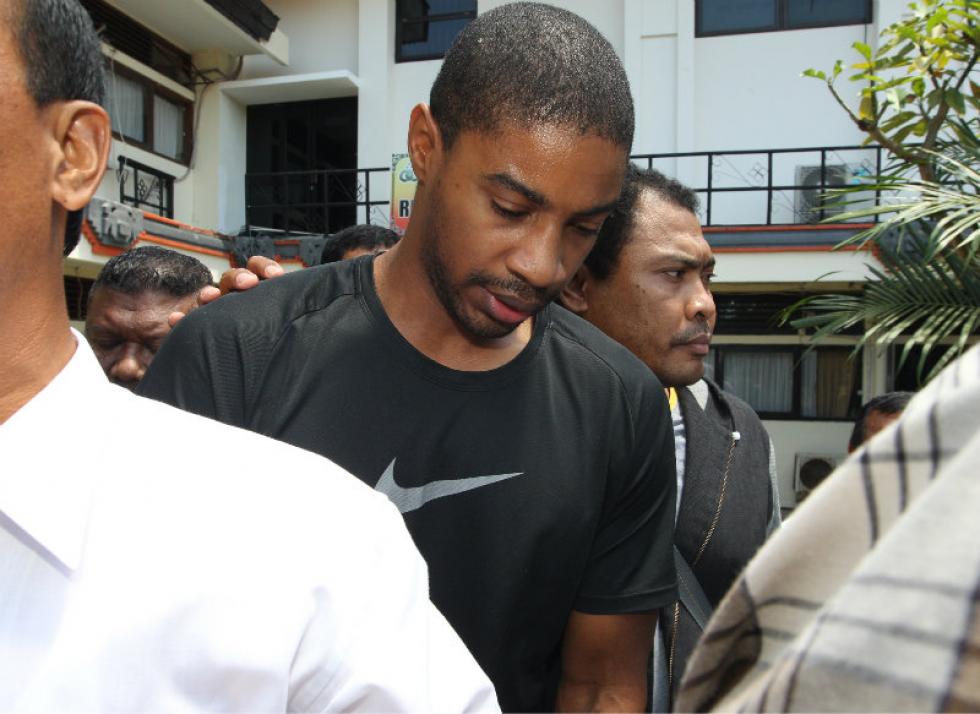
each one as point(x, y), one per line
point(694, 600)
point(691, 595)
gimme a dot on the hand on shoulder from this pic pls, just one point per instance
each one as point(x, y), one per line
point(235, 280)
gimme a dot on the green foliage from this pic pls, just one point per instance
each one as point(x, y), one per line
point(926, 300)
point(917, 78)
point(920, 101)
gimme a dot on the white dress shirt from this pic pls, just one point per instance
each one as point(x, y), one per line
point(151, 560)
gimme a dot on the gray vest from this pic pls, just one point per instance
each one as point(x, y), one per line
point(724, 510)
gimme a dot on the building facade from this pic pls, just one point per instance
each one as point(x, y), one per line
point(266, 124)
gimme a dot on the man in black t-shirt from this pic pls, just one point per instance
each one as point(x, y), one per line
point(531, 456)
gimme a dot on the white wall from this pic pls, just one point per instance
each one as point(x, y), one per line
point(793, 266)
point(790, 438)
point(736, 91)
point(749, 93)
point(219, 164)
point(322, 36)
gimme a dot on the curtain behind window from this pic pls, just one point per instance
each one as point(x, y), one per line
point(124, 102)
point(763, 379)
point(168, 128)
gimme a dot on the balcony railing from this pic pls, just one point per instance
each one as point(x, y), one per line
point(765, 187)
point(317, 202)
point(760, 187)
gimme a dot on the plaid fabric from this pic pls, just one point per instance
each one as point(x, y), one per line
point(868, 599)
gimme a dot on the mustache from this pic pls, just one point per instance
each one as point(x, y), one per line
point(515, 286)
point(699, 329)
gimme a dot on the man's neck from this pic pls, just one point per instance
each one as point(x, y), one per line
point(417, 313)
point(37, 344)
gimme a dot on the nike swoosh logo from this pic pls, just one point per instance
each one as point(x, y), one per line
point(412, 499)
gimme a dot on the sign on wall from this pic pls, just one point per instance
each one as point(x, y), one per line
point(403, 183)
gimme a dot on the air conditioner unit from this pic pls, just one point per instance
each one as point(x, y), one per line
point(812, 204)
point(811, 470)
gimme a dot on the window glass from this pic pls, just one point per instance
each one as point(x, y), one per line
point(736, 15)
point(810, 13)
point(168, 128)
point(426, 28)
point(124, 100)
point(829, 378)
point(427, 38)
point(763, 379)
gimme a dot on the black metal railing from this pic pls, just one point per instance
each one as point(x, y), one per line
point(746, 187)
point(318, 202)
point(791, 184)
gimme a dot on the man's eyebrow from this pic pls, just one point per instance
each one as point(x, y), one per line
point(688, 262)
point(512, 184)
point(601, 208)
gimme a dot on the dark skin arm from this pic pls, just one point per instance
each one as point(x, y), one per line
point(604, 663)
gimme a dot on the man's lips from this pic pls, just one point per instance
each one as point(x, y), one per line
point(698, 345)
point(510, 309)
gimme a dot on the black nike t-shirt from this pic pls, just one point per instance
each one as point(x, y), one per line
point(541, 487)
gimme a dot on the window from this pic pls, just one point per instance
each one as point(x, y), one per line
point(125, 34)
point(301, 159)
point(148, 116)
point(426, 28)
point(788, 382)
point(145, 188)
point(730, 17)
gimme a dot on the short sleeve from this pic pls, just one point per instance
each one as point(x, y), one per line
point(381, 645)
point(631, 567)
point(203, 365)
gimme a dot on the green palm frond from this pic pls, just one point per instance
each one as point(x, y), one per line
point(952, 206)
point(924, 294)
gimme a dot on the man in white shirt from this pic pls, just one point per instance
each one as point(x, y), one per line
point(135, 575)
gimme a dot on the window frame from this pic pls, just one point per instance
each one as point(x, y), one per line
point(400, 23)
point(781, 22)
point(151, 89)
point(796, 351)
point(166, 190)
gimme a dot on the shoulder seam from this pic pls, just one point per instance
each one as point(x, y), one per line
point(619, 379)
point(282, 333)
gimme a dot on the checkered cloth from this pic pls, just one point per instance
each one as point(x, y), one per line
point(868, 599)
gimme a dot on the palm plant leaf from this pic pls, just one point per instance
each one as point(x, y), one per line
point(924, 294)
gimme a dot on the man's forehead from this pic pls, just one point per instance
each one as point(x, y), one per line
point(664, 228)
point(145, 299)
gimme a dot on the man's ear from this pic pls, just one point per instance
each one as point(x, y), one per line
point(574, 295)
point(83, 135)
point(424, 142)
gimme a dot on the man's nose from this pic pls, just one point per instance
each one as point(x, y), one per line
point(538, 259)
point(129, 368)
point(701, 303)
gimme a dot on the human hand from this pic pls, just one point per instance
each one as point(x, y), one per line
point(235, 280)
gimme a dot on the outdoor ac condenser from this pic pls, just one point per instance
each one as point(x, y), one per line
point(811, 470)
point(808, 198)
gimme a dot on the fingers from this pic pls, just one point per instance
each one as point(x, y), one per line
point(240, 279)
point(264, 267)
point(208, 294)
point(237, 279)
point(174, 318)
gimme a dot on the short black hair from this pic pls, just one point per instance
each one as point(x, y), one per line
point(63, 60)
point(149, 268)
point(532, 64)
point(888, 403)
point(360, 236)
point(616, 229)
